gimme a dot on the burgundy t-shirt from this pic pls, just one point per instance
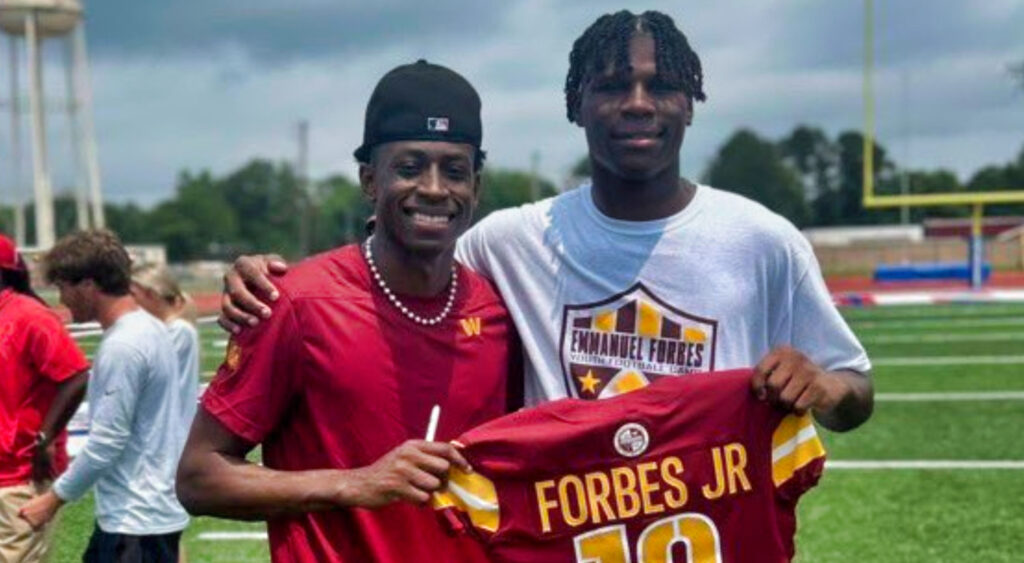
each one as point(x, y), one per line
point(338, 377)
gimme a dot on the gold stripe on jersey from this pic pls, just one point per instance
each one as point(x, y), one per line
point(473, 494)
point(795, 443)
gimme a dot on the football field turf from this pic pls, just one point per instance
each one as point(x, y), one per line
point(937, 474)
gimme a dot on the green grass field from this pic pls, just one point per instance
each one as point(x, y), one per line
point(862, 513)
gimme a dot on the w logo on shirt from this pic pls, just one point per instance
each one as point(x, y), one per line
point(471, 326)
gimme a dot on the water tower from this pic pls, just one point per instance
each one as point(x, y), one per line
point(32, 22)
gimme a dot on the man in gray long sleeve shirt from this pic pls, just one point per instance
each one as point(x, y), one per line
point(137, 429)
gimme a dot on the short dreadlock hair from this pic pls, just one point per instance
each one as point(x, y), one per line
point(606, 42)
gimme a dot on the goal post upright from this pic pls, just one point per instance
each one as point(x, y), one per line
point(871, 200)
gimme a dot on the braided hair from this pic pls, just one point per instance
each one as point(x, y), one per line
point(20, 281)
point(606, 42)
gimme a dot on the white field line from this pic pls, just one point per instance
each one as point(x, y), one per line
point(937, 323)
point(924, 464)
point(944, 297)
point(232, 536)
point(947, 360)
point(81, 330)
point(919, 338)
point(951, 396)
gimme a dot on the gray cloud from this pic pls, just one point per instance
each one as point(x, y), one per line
point(272, 31)
point(209, 85)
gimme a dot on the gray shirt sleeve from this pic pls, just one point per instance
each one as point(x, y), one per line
point(471, 248)
point(820, 331)
point(112, 407)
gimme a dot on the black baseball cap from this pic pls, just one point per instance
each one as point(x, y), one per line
point(421, 102)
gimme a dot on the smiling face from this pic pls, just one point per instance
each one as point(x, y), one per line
point(424, 192)
point(634, 119)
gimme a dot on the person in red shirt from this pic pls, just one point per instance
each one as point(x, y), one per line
point(338, 386)
point(690, 468)
point(42, 381)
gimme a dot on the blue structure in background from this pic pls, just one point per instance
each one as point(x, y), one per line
point(974, 272)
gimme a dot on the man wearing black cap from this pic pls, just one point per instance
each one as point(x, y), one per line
point(365, 340)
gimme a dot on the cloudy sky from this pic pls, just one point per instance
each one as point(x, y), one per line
point(209, 84)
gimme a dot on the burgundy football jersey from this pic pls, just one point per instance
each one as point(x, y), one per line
point(689, 469)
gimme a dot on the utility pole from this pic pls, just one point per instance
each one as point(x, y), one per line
point(17, 197)
point(302, 175)
point(905, 175)
point(535, 175)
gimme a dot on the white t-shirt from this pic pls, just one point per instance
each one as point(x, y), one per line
point(604, 305)
point(186, 347)
point(136, 431)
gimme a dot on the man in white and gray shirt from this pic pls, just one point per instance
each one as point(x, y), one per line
point(138, 428)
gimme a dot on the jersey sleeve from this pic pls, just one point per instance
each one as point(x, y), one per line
point(798, 457)
point(257, 380)
point(52, 351)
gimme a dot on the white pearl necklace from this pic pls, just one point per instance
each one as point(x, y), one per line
point(454, 284)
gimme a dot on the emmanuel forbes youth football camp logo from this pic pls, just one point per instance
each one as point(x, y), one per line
point(628, 340)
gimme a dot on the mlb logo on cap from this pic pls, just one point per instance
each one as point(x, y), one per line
point(439, 124)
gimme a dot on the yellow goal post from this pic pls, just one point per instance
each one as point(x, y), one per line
point(977, 200)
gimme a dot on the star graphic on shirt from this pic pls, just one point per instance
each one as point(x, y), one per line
point(589, 382)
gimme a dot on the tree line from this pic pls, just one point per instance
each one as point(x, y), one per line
point(806, 176)
point(817, 181)
point(263, 206)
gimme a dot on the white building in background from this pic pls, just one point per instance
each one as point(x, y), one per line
point(28, 25)
point(846, 236)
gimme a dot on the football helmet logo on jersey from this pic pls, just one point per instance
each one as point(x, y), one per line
point(631, 440)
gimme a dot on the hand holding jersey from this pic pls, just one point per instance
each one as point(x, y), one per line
point(791, 381)
point(410, 472)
